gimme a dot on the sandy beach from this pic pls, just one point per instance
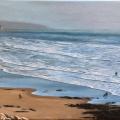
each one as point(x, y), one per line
point(21, 102)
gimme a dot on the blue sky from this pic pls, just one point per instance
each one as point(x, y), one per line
point(64, 15)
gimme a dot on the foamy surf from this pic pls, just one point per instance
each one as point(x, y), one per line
point(87, 60)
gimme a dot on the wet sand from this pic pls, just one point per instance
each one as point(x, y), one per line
point(23, 103)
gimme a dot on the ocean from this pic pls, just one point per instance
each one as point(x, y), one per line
point(71, 58)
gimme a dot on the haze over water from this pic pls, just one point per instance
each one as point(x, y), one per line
point(84, 16)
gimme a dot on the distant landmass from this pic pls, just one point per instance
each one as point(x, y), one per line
point(8, 26)
point(11, 26)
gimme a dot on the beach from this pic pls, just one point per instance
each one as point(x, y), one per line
point(59, 60)
point(38, 108)
point(21, 102)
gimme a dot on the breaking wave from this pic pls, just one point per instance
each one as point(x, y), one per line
point(81, 59)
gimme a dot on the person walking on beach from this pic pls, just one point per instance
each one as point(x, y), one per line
point(20, 96)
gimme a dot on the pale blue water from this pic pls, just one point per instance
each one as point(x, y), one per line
point(77, 59)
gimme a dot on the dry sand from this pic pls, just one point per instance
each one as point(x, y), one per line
point(21, 102)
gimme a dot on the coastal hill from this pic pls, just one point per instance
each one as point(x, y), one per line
point(8, 26)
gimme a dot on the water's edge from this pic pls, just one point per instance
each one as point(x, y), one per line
point(51, 88)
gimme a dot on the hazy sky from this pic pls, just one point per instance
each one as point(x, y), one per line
point(64, 15)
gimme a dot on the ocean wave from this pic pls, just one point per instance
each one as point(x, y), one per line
point(88, 63)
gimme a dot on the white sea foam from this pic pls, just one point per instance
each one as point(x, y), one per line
point(89, 64)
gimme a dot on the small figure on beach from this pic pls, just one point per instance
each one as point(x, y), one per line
point(106, 94)
point(116, 73)
point(20, 96)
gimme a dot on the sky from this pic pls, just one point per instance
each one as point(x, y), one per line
point(64, 15)
point(63, 0)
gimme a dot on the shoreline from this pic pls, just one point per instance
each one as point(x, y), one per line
point(58, 89)
point(36, 107)
point(30, 91)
